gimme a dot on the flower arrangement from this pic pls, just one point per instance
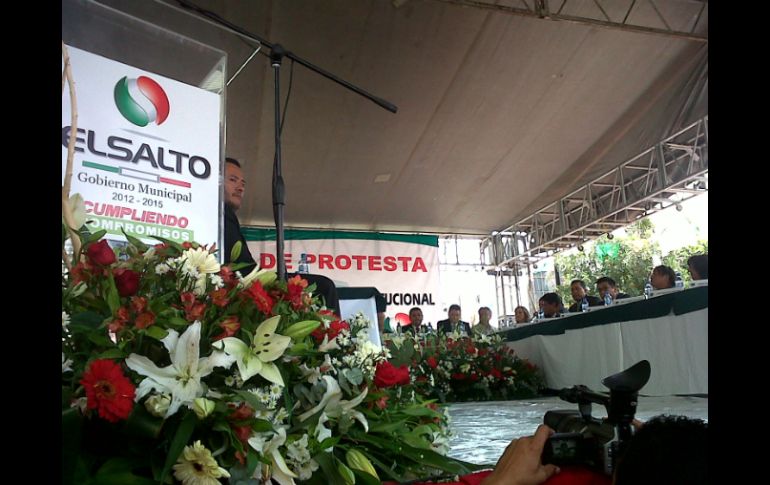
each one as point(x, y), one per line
point(460, 368)
point(176, 369)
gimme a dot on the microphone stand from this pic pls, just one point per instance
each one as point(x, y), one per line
point(277, 53)
point(279, 189)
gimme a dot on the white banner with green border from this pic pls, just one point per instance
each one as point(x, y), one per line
point(403, 267)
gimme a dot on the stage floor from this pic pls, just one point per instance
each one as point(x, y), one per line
point(483, 429)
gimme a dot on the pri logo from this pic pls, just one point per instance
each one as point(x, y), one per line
point(141, 100)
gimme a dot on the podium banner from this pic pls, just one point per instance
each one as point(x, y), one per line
point(146, 152)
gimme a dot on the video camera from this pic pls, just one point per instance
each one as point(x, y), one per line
point(581, 439)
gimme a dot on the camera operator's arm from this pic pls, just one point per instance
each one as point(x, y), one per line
point(520, 464)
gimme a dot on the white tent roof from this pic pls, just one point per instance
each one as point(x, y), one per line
point(498, 114)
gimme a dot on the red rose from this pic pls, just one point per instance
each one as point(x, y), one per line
point(387, 375)
point(127, 281)
point(108, 390)
point(497, 374)
point(457, 376)
point(101, 253)
point(431, 361)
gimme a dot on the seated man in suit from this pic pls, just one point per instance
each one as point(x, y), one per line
point(579, 291)
point(415, 321)
point(453, 322)
point(551, 305)
point(606, 284)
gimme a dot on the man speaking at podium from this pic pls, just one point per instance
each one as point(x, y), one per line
point(235, 185)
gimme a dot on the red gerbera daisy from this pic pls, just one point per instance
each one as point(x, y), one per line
point(108, 390)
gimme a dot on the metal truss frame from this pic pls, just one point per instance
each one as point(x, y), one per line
point(666, 174)
point(542, 9)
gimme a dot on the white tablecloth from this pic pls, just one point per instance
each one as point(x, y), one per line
point(675, 345)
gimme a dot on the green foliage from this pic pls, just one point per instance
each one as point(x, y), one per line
point(630, 268)
point(677, 259)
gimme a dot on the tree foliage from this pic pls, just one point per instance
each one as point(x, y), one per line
point(677, 258)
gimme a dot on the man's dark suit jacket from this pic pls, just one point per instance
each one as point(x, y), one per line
point(446, 326)
point(232, 235)
point(592, 301)
point(324, 286)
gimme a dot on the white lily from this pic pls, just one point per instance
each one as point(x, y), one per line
point(280, 471)
point(322, 432)
point(258, 358)
point(181, 379)
point(335, 407)
point(77, 209)
point(327, 345)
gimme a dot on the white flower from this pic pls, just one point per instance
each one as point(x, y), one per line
point(181, 379)
point(65, 363)
point(65, 320)
point(196, 466)
point(322, 432)
point(333, 405)
point(149, 254)
point(306, 470)
point(280, 471)
point(297, 451)
point(327, 346)
point(310, 375)
point(162, 268)
point(216, 281)
point(299, 456)
point(258, 358)
point(197, 263)
point(158, 404)
point(440, 443)
point(280, 416)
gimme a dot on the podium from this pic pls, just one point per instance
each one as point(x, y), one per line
point(362, 299)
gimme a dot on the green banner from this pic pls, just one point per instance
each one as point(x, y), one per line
point(257, 234)
point(138, 229)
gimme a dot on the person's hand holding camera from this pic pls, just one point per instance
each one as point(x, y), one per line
point(520, 464)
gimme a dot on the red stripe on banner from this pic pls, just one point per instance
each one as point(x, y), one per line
point(175, 182)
